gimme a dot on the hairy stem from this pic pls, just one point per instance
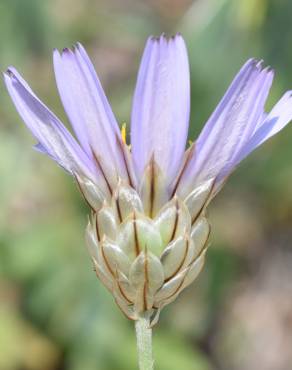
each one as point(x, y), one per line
point(144, 343)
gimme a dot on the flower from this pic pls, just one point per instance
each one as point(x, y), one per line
point(148, 232)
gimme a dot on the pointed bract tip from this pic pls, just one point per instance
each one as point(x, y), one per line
point(152, 158)
point(119, 183)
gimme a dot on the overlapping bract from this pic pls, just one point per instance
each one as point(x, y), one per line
point(148, 230)
point(146, 262)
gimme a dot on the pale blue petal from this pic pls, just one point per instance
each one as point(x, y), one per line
point(229, 128)
point(161, 105)
point(273, 122)
point(88, 110)
point(54, 139)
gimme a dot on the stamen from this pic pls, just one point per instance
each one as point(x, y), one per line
point(124, 132)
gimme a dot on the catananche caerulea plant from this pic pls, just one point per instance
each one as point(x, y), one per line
point(148, 232)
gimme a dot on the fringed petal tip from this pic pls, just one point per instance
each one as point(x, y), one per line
point(258, 64)
point(76, 47)
point(163, 37)
point(11, 72)
point(165, 41)
point(12, 77)
point(9, 75)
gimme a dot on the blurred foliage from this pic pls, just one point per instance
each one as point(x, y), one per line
point(54, 314)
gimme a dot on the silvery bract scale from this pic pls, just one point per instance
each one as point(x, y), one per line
point(148, 232)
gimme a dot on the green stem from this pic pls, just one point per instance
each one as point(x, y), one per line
point(144, 343)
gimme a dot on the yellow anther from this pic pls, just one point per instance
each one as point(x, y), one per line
point(124, 132)
point(190, 142)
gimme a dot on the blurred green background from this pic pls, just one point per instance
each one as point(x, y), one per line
point(54, 314)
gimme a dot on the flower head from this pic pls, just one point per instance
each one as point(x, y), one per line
point(148, 232)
